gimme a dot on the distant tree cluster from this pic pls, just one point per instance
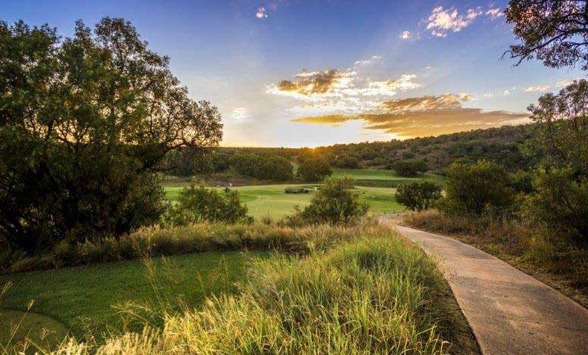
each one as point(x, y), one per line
point(313, 168)
point(263, 166)
point(409, 168)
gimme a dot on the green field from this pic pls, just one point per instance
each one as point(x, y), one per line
point(376, 187)
point(76, 298)
point(271, 200)
point(363, 175)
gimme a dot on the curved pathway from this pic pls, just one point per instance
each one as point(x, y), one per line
point(509, 311)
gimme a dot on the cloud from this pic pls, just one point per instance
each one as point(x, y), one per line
point(240, 114)
point(494, 13)
point(565, 82)
point(338, 85)
point(441, 20)
point(369, 61)
point(406, 35)
point(538, 88)
point(424, 116)
point(261, 13)
point(326, 83)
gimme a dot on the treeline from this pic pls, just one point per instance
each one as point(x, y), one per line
point(506, 145)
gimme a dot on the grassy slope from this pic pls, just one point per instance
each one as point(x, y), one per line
point(375, 294)
point(271, 200)
point(85, 296)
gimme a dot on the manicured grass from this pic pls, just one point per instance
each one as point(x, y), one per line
point(74, 298)
point(383, 178)
point(271, 200)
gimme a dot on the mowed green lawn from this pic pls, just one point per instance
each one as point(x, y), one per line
point(71, 299)
point(273, 201)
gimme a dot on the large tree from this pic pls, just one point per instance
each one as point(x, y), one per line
point(84, 124)
point(553, 31)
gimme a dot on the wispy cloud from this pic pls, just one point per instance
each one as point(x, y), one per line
point(424, 116)
point(494, 13)
point(565, 82)
point(369, 61)
point(240, 114)
point(538, 88)
point(261, 13)
point(441, 21)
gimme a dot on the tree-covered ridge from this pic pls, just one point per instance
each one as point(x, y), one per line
point(505, 145)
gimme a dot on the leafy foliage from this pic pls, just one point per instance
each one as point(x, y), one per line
point(553, 31)
point(84, 124)
point(561, 200)
point(418, 196)
point(263, 166)
point(335, 202)
point(201, 204)
point(410, 168)
point(478, 188)
point(314, 168)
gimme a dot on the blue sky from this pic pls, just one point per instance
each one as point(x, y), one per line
point(316, 72)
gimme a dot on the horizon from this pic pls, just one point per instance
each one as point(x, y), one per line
point(307, 74)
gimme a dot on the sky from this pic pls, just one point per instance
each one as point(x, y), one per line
point(307, 73)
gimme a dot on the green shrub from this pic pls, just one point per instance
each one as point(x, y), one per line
point(478, 188)
point(348, 162)
point(335, 202)
point(199, 204)
point(561, 201)
point(410, 168)
point(314, 168)
point(418, 196)
point(297, 190)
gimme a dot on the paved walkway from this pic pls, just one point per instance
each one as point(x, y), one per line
point(509, 311)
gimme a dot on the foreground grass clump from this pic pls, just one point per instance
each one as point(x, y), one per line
point(94, 299)
point(195, 238)
point(370, 295)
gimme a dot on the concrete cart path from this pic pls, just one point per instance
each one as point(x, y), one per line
point(509, 311)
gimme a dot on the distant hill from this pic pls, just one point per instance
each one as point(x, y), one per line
point(504, 145)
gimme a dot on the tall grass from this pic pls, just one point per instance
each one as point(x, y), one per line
point(375, 294)
point(156, 241)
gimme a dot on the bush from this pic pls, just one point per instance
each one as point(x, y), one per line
point(335, 202)
point(200, 204)
point(297, 190)
point(418, 196)
point(410, 168)
point(561, 201)
point(478, 188)
point(314, 168)
point(348, 162)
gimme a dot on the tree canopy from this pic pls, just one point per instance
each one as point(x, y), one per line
point(84, 124)
point(553, 31)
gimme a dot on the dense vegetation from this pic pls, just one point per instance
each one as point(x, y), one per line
point(84, 123)
point(504, 145)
